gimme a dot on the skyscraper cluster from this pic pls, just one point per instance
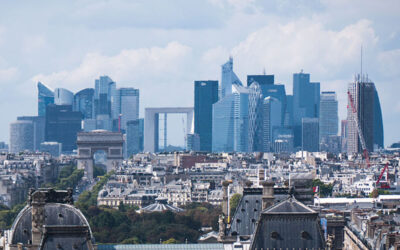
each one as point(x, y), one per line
point(229, 116)
point(261, 117)
point(62, 114)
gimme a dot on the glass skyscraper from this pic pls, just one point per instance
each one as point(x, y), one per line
point(104, 93)
point(127, 104)
point(255, 117)
point(105, 105)
point(363, 94)
point(271, 121)
point(21, 136)
point(228, 78)
point(83, 102)
point(306, 99)
point(63, 97)
point(62, 125)
point(261, 87)
point(38, 123)
point(45, 97)
point(310, 134)
point(328, 114)
point(132, 137)
point(205, 95)
point(230, 121)
point(378, 122)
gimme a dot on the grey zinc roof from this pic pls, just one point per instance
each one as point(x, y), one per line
point(290, 205)
point(159, 207)
point(248, 211)
point(246, 216)
point(213, 246)
point(287, 225)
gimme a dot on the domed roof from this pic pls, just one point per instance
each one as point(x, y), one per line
point(50, 221)
point(56, 214)
point(161, 205)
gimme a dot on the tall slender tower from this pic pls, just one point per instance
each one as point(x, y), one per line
point(45, 97)
point(362, 91)
point(205, 95)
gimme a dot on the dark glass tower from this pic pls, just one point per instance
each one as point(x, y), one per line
point(45, 97)
point(363, 92)
point(62, 125)
point(83, 102)
point(306, 100)
point(378, 123)
point(205, 95)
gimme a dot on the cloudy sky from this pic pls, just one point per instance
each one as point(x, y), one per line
point(162, 46)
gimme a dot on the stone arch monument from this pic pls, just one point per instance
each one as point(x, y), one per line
point(90, 142)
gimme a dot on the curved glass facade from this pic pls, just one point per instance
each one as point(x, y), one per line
point(63, 97)
point(45, 97)
point(83, 102)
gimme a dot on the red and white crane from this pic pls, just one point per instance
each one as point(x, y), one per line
point(384, 185)
point(360, 134)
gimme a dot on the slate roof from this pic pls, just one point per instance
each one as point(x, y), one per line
point(248, 211)
point(206, 246)
point(289, 206)
point(288, 225)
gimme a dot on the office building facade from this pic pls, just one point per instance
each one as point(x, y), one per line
point(21, 136)
point(63, 97)
point(306, 101)
point(378, 122)
point(45, 97)
point(83, 102)
point(62, 125)
point(310, 134)
point(362, 92)
point(261, 87)
point(271, 121)
point(105, 105)
point(127, 106)
point(230, 121)
point(132, 137)
point(205, 95)
point(228, 78)
point(343, 135)
point(328, 120)
point(38, 123)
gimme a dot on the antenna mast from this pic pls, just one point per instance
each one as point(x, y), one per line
point(361, 61)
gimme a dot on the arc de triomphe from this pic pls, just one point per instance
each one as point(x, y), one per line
point(90, 142)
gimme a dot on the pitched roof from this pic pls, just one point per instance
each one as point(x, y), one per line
point(289, 206)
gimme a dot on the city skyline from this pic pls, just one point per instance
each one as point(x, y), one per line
point(162, 53)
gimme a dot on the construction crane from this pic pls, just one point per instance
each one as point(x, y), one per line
point(384, 185)
point(360, 134)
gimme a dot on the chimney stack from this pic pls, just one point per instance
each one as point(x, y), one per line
point(268, 194)
point(225, 201)
point(37, 199)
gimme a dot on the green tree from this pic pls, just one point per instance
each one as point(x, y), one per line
point(324, 189)
point(170, 241)
point(234, 202)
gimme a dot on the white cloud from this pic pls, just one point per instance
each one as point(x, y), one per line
point(158, 72)
point(305, 44)
point(7, 75)
point(154, 63)
point(32, 43)
point(389, 63)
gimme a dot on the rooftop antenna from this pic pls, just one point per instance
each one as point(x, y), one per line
point(361, 61)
